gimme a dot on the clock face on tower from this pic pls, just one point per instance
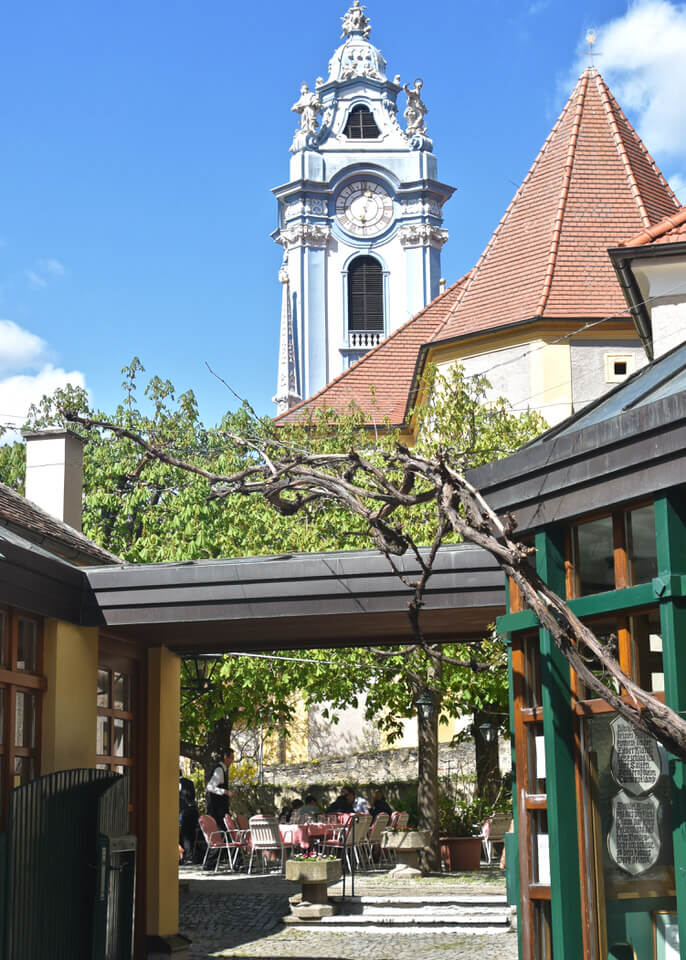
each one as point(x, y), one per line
point(364, 208)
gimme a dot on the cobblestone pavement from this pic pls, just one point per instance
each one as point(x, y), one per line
point(239, 916)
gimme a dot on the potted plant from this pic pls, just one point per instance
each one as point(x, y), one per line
point(461, 819)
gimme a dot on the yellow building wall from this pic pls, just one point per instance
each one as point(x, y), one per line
point(162, 863)
point(293, 748)
point(69, 718)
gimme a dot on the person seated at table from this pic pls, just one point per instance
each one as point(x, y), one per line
point(343, 802)
point(361, 804)
point(308, 811)
point(379, 804)
point(286, 811)
point(296, 806)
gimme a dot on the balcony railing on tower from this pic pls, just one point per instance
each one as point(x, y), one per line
point(364, 339)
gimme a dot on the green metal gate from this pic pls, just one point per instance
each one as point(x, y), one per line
point(67, 869)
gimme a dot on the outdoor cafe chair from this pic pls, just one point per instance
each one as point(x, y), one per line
point(492, 832)
point(236, 834)
point(242, 821)
point(350, 839)
point(217, 840)
point(266, 838)
point(399, 820)
point(374, 837)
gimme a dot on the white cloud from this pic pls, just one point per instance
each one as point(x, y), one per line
point(19, 349)
point(46, 269)
point(678, 184)
point(645, 52)
point(52, 266)
point(642, 56)
point(17, 393)
point(34, 278)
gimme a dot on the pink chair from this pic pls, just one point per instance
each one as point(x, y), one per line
point(217, 840)
point(237, 835)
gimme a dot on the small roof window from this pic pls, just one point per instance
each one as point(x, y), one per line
point(361, 124)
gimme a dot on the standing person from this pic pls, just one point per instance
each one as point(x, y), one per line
point(188, 817)
point(218, 792)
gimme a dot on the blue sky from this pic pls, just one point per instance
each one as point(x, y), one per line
point(141, 140)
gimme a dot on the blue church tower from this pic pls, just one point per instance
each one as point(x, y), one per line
point(360, 220)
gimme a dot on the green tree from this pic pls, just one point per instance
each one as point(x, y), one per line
point(146, 509)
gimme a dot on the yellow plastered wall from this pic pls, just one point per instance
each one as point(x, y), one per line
point(164, 706)
point(551, 381)
point(69, 718)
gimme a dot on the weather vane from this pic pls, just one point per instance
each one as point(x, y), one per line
point(591, 37)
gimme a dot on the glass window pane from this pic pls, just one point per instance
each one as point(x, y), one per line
point(646, 641)
point(27, 645)
point(103, 687)
point(594, 557)
point(606, 632)
point(121, 691)
point(24, 719)
point(102, 740)
point(641, 544)
point(532, 660)
point(121, 738)
point(540, 858)
point(3, 639)
point(23, 770)
point(543, 945)
point(536, 758)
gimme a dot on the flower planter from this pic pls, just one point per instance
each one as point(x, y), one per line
point(460, 853)
point(407, 844)
point(313, 877)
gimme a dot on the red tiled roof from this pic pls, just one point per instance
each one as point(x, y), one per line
point(591, 185)
point(671, 229)
point(29, 521)
point(379, 382)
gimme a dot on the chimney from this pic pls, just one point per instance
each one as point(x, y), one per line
point(54, 473)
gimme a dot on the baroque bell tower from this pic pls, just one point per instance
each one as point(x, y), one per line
point(360, 219)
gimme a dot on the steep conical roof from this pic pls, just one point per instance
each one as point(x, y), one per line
point(592, 185)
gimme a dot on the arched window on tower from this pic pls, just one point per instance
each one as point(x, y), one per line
point(361, 124)
point(365, 303)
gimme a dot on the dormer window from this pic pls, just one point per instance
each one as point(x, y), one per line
point(361, 124)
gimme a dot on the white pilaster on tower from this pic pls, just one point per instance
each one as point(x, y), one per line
point(287, 383)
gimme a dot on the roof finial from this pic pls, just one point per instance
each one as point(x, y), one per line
point(355, 21)
point(591, 37)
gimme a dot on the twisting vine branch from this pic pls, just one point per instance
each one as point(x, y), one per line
point(292, 479)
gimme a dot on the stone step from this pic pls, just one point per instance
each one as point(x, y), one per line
point(379, 925)
point(437, 914)
point(495, 901)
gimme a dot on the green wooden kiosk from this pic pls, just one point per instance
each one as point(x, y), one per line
point(600, 810)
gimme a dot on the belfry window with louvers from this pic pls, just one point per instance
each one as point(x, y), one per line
point(360, 219)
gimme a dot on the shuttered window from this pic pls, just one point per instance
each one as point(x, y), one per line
point(365, 295)
point(361, 124)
